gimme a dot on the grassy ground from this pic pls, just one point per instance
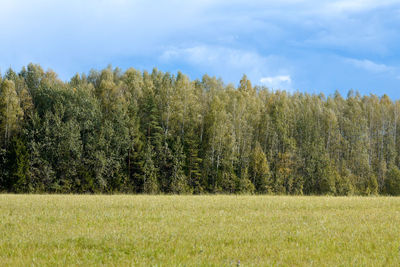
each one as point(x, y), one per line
point(199, 230)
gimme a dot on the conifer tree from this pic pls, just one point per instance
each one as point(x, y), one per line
point(150, 183)
point(259, 170)
point(392, 182)
point(18, 177)
point(179, 182)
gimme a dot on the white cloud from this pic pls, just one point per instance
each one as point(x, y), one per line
point(278, 82)
point(266, 39)
point(281, 78)
point(231, 63)
point(370, 66)
point(215, 55)
point(357, 5)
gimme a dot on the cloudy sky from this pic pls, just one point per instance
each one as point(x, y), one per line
point(311, 46)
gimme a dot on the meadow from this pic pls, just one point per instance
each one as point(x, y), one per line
point(124, 230)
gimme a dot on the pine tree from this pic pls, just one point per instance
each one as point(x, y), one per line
point(178, 178)
point(193, 162)
point(392, 182)
point(150, 183)
point(259, 170)
point(18, 165)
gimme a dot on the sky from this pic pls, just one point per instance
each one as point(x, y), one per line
point(313, 46)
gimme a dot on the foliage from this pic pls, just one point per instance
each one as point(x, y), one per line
point(139, 132)
point(392, 182)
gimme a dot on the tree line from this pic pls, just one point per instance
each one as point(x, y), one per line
point(111, 131)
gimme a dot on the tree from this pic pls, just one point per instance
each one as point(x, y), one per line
point(259, 171)
point(179, 182)
point(114, 131)
point(10, 111)
point(150, 183)
point(18, 165)
point(344, 186)
point(33, 76)
point(392, 182)
point(193, 161)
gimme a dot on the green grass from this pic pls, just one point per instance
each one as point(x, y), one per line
point(51, 230)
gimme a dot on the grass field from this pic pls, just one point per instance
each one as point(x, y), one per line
point(49, 230)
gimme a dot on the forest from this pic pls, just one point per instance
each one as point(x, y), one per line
point(114, 131)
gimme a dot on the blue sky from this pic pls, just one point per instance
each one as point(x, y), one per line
point(310, 46)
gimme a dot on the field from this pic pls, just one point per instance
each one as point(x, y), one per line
point(49, 230)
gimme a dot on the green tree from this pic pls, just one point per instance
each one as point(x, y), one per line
point(259, 171)
point(18, 165)
point(150, 183)
point(10, 111)
point(179, 182)
point(392, 182)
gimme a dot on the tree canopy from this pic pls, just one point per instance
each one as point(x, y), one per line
point(139, 132)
